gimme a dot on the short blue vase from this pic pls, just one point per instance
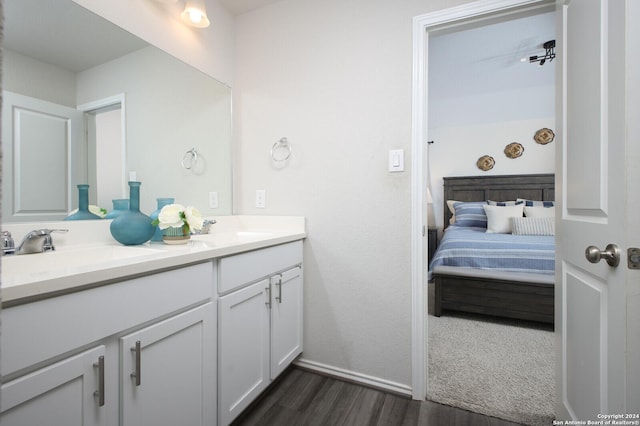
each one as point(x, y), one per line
point(83, 212)
point(157, 234)
point(120, 206)
point(132, 227)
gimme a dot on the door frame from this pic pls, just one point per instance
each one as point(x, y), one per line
point(422, 25)
point(95, 107)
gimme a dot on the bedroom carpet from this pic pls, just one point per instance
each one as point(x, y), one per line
point(492, 367)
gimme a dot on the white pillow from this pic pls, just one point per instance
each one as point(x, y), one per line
point(533, 226)
point(539, 211)
point(499, 218)
point(452, 209)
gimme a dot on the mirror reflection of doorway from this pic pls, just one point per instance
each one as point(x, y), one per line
point(106, 151)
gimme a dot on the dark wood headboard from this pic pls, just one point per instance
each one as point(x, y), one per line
point(497, 188)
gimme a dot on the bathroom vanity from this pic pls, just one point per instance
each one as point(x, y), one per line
point(104, 334)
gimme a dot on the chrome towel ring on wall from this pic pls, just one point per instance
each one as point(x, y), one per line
point(281, 150)
point(189, 159)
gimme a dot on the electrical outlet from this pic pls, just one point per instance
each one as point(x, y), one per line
point(132, 176)
point(213, 200)
point(261, 196)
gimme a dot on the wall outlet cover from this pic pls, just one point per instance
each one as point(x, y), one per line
point(261, 196)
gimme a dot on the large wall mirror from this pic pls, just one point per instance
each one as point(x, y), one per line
point(87, 102)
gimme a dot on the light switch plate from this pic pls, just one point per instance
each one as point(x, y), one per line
point(396, 160)
point(213, 200)
point(261, 196)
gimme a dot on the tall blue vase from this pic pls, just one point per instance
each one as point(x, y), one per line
point(132, 227)
point(157, 234)
point(83, 212)
point(120, 206)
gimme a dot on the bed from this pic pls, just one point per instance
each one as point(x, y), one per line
point(518, 291)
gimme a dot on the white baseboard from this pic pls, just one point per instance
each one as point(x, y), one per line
point(352, 376)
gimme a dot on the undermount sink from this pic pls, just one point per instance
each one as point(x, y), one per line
point(62, 259)
point(253, 234)
point(226, 237)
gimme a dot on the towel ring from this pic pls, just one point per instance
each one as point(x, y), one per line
point(190, 158)
point(284, 145)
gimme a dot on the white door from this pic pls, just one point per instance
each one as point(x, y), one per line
point(164, 371)
point(44, 157)
point(286, 319)
point(66, 393)
point(595, 183)
point(243, 343)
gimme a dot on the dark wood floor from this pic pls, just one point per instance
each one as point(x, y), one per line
point(301, 397)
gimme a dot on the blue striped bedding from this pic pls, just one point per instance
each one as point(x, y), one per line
point(469, 247)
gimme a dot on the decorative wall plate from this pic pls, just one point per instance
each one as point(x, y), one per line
point(513, 150)
point(486, 162)
point(544, 136)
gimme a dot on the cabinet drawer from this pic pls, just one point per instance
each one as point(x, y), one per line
point(35, 332)
point(241, 269)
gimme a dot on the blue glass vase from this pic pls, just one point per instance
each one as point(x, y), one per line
point(83, 212)
point(132, 227)
point(157, 234)
point(120, 206)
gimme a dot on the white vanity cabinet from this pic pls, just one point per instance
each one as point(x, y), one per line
point(259, 322)
point(286, 319)
point(164, 370)
point(59, 394)
point(68, 360)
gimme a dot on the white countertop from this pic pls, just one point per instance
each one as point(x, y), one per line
point(87, 256)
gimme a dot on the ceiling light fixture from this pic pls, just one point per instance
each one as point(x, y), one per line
point(549, 54)
point(195, 14)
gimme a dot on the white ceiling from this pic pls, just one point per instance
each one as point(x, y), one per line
point(238, 7)
point(48, 31)
point(34, 28)
point(487, 59)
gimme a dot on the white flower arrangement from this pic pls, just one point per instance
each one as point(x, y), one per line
point(177, 216)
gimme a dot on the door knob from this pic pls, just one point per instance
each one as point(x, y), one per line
point(611, 254)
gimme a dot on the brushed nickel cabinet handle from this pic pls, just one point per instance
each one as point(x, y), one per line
point(268, 302)
point(279, 285)
point(100, 392)
point(137, 372)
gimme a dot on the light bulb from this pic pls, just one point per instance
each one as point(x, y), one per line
point(195, 16)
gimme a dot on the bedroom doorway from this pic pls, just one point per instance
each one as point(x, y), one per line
point(449, 20)
point(602, 350)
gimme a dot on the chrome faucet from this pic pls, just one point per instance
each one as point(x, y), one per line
point(206, 225)
point(38, 241)
point(8, 246)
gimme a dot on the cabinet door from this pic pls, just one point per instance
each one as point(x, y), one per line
point(286, 319)
point(167, 371)
point(61, 394)
point(243, 348)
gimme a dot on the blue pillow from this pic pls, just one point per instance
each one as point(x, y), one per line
point(470, 214)
point(531, 203)
point(504, 203)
